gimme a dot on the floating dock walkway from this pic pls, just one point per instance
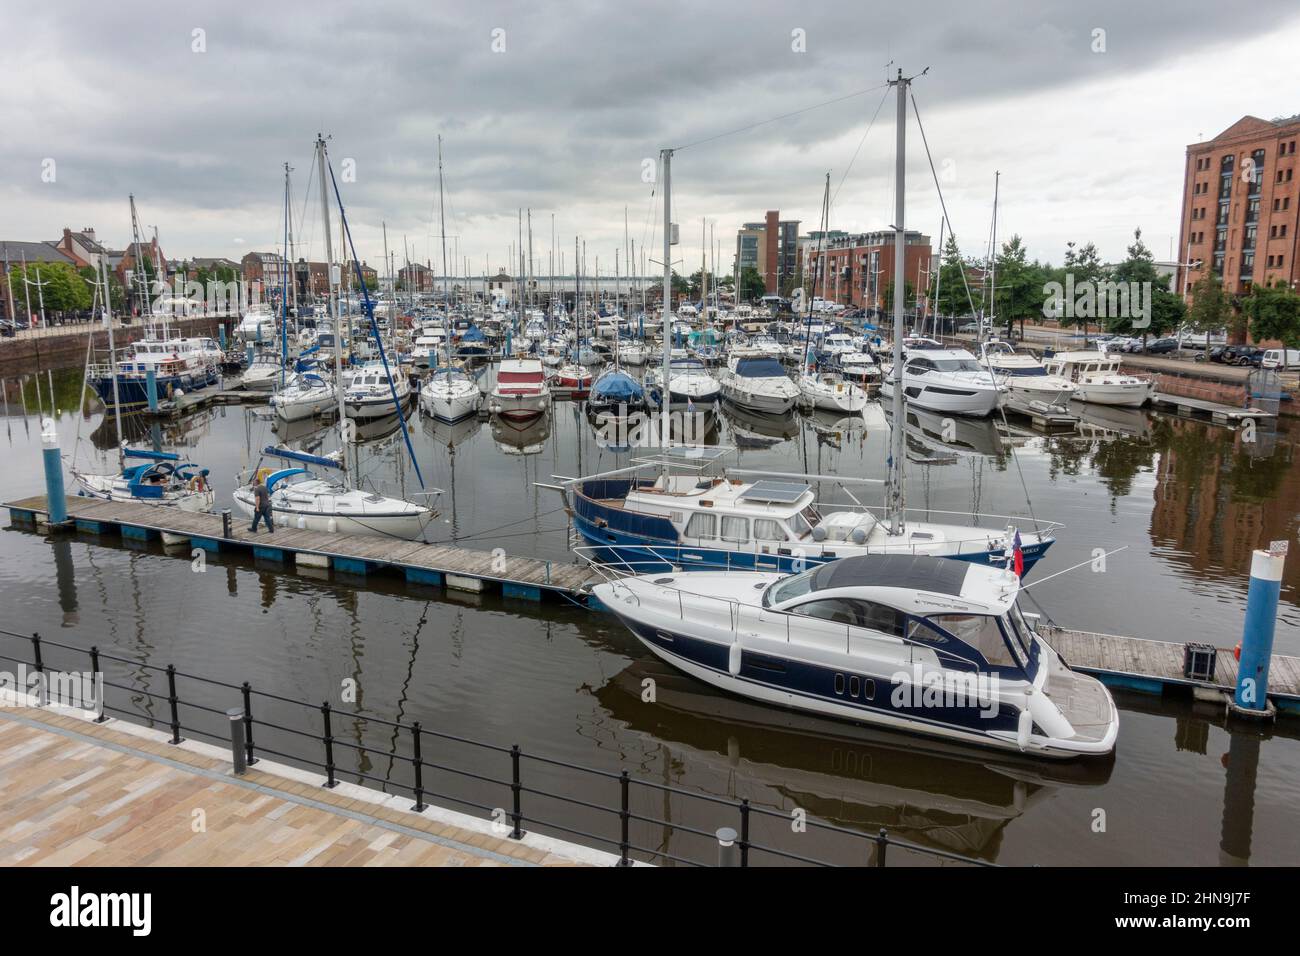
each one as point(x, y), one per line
point(1129, 662)
point(1216, 412)
point(444, 565)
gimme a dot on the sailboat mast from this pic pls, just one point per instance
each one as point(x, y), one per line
point(284, 286)
point(665, 161)
point(895, 496)
point(332, 302)
point(112, 357)
point(442, 227)
point(993, 255)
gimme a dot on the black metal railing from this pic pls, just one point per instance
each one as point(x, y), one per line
point(613, 804)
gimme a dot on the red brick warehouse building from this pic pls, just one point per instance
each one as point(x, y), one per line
point(858, 270)
point(1241, 206)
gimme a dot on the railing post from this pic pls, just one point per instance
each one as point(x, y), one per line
point(97, 678)
point(515, 789)
point(418, 759)
point(882, 842)
point(236, 717)
point(330, 782)
point(173, 702)
point(727, 855)
point(40, 669)
point(744, 832)
point(247, 691)
point(625, 818)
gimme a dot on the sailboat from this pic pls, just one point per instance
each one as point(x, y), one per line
point(302, 499)
point(159, 478)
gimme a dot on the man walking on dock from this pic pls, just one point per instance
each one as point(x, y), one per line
point(261, 506)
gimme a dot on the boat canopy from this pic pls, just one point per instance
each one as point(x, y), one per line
point(760, 368)
point(151, 455)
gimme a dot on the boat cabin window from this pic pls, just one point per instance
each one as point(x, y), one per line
point(735, 529)
point(1023, 633)
point(877, 617)
point(980, 631)
point(702, 526)
point(765, 529)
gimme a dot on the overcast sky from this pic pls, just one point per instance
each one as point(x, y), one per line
point(198, 125)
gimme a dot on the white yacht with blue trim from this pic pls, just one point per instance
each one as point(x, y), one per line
point(917, 644)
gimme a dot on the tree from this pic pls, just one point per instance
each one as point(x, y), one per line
point(909, 296)
point(61, 288)
point(1087, 270)
point(952, 299)
point(1019, 294)
point(752, 286)
point(1273, 312)
point(1138, 272)
point(1210, 309)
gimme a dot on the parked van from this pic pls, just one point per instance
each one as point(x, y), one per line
point(1281, 358)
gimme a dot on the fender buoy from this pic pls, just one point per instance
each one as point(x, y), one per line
point(1236, 653)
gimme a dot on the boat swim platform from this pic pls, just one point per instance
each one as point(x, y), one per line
point(74, 792)
point(439, 565)
point(1155, 667)
point(1216, 412)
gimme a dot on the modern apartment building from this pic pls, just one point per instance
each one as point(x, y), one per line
point(771, 247)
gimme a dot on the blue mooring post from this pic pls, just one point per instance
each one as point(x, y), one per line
point(151, 387)
point(509, 350)
point(55, 499)
point(248, 352)
point(1251, 696)
point(221, 335)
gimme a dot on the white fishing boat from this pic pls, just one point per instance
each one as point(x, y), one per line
point(450, 395)
point(860, 368)
point(303, 500)
point(1097, 379)
point(689, 384)
point(759, 384)
point(947, 380)
point(830, 392)
point(264, 372)
point(305, 395)
point(520, 392)
point(373, 391)
point(1024, 376)
point(913, 644)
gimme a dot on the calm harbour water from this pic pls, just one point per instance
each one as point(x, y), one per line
point(1187, 500)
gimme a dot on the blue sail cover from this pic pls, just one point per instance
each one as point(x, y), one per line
point(151, 455)
point(301, 456)
point(617, 387)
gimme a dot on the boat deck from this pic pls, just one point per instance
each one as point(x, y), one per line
point(436, 564)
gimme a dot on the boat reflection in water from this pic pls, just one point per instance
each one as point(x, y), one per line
point(933, 435)
point(451, 435)
point(521, 438)
point(757, 430)
point(1105, 421)
point(932, 793)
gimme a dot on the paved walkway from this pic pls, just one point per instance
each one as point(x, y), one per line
point(74, 792)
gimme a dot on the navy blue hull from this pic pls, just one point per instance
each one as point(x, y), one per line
point(133, 390)
point(873, 696)
point(648, 544)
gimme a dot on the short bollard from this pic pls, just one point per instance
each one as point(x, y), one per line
point(237, 756)
point(225, 523)
point(728, 854)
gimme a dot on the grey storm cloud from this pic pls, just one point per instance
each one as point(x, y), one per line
point(558, 121)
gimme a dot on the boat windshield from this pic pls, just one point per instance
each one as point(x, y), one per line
point(958, 365)
point(796, 585)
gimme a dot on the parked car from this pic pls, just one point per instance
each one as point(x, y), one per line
point(1162, 346)
point(1237, 354)
point(1196, 340)
point(7, 328)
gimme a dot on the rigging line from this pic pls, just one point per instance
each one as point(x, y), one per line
point(849, 168)
point(952, 233)
point(773, 119)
